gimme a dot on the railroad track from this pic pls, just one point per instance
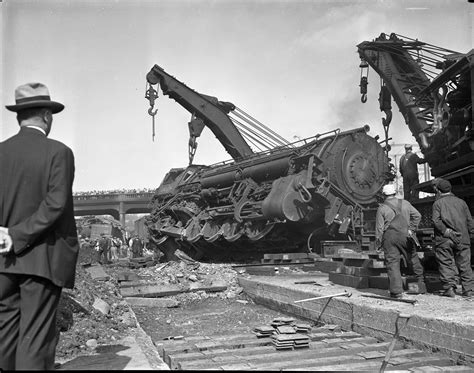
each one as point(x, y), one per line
point(329, 349)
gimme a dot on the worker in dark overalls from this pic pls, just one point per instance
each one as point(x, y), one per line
point(409, 170)
point(453, 226)
point(395, 221)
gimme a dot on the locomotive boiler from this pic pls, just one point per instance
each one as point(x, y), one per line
point(282, 197)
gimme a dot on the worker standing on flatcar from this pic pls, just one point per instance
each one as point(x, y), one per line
point(409, 170)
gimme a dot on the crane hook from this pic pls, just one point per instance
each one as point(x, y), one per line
point(151, 95)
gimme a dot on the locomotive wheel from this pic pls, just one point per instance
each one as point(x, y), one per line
point(232, 230)
point(168, 248)
point(160, 240)
point(258, 229)
point(211, 231)
point(193, 230)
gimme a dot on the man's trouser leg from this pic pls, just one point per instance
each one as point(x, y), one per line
point(414, 262)
point(392, 261)
point(462, 256)
point(408, 182)
point(406, 188)
point(31, 320)
point(9, 320)
point(445, 258)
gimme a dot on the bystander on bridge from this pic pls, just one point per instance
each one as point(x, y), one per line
point(115, 204)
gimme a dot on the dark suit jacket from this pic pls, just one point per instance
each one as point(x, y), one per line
point(36, 205)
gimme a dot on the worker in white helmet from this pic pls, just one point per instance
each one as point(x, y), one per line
point(396, 220)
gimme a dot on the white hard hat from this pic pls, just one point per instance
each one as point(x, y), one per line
point(389, 189)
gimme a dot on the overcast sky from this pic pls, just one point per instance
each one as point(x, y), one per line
point(291, 64)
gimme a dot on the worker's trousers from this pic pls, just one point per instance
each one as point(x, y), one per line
point(394, 244)
point(28, 337)
point(408, 183)
point(449, 256)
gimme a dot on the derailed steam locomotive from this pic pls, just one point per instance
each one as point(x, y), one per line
point(286, 197)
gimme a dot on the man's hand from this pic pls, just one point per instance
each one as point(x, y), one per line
point(452, 235)
point(6, 243)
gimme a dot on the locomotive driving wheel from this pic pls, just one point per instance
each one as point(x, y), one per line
point(232, 230)
point(257, 229)
point(193, 230)
point(211, 231)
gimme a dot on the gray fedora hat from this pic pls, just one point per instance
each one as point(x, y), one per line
point(31, 95)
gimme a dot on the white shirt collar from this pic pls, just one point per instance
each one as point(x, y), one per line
point(38, 128)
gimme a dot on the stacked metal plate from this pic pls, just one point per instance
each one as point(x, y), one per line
point(302, 328)
point(279, 321)
point(290, 341)
point(285, 329)
point(264, 331)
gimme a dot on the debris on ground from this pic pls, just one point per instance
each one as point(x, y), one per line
point(95, 313)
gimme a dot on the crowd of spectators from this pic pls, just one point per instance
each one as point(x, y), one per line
point(113, 191)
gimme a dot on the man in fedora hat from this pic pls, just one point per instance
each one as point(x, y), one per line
point(396, 221)
point(409, 170)
point(453, 226)
point(38, 257)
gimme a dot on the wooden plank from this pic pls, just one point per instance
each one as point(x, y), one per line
point(142, 259)
point(358, 282)
point(97, 273)
point(278, 359)
point(152, 302)
point(215, 286)
point(128, 284)
point(360, 271)
point(362, 342)
point(151, 291)
point(127, 276)
point(322, 266)
point(237, 342)
point(161, 290)
point(340, 362)
point(379, 282)
point(364, 263)
point(262, 271)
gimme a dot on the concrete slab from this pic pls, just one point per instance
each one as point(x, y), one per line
point(450, 331)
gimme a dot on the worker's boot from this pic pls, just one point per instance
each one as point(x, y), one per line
point(448, 293)
point(421, 287)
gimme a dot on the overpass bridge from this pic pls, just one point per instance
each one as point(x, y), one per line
point(115, 204)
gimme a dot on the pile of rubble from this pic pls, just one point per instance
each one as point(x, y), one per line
point(95, 313)
point(186, 277)
point(89, 315)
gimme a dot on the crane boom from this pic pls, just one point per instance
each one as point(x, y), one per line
point(206, 111)
point(437, 107)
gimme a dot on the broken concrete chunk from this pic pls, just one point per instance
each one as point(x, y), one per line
point(91, 343)
point(101, 306)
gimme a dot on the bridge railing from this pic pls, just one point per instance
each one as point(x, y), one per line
point(112, 196)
